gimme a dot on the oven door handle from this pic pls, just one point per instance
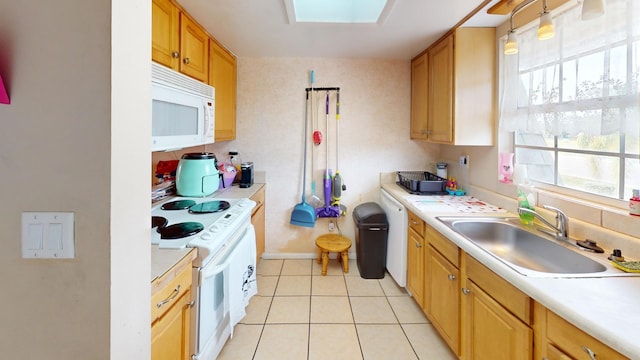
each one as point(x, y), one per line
point(227, 257)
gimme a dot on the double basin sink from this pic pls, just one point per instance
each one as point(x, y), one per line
point(530, 251)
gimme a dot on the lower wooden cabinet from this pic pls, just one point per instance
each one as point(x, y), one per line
point(257, 220)
point(415, 266)
point(171, 313)
point(443, 297)
point(490, 331)
point(170, 335)
point(482, 316)
point(565, 341)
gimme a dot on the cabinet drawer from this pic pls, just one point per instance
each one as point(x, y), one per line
point(448, 249)
point(502, 291)
point(574, 342)
point(553, 353)
point(416, 223)
point(163, 299)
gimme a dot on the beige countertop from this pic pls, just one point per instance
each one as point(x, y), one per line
point(606, 308)
point(164, 259)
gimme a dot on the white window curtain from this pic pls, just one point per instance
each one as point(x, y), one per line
point(585, 79)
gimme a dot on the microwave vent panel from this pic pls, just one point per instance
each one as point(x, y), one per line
point(165, 76)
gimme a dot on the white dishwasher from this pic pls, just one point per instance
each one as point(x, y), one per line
point(397, 237)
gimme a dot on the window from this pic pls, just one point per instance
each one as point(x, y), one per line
point(572, 101)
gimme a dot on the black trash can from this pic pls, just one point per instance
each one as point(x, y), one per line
point(372, 229)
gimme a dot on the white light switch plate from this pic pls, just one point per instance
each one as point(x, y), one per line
point(47, 235)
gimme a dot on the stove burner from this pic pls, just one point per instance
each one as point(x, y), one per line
point(209, 207)
point(178, 205)
point(158, 222)
point(180, 230)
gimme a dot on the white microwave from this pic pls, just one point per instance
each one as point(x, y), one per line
point(182, 110)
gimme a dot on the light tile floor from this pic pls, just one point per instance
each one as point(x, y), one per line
point(299, 314)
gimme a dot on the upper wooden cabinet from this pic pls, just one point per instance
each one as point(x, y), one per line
point(178, 41)
point(458, 92)
point(165, 33)
point(419, 96)
point(222, 76)
point(194, 48)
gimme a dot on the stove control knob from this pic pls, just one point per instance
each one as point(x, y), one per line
point(214, 228)
point(206, 236)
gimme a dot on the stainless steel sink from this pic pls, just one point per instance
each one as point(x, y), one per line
point(528, 251)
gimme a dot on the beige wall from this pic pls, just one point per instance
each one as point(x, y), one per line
point(374, 132)
point(62, 148)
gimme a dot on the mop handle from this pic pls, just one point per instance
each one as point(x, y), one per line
point(337, 125)
point(338, 105)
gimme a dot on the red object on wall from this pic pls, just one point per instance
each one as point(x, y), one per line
point(4, 97)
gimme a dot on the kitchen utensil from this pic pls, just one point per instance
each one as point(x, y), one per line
point(338, 186)
point(327, 210)
point(317, 135)
point(314, 200)
point(303, 214)
point(197, 175)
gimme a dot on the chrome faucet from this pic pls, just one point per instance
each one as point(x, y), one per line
point(561, 227)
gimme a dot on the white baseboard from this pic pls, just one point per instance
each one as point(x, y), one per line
point(278, 256)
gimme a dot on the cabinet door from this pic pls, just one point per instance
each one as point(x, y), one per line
point(222, 76)
point(419, 97)
point(490, 331)
point(170, 334)
point(194, 47)
point(165, 43)
point(415, 267)
point(443, 297)
point(257, 220)
point(440, 121)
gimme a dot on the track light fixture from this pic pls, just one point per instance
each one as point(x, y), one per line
point(592, 9)
point(546, 30)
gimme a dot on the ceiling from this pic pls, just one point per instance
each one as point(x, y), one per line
point(260, 28)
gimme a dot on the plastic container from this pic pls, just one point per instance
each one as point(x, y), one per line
point(441, 169)
point(372, 229)
point(526, 193)
point(634, 203)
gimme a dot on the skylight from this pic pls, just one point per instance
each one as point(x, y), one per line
point(338, 11)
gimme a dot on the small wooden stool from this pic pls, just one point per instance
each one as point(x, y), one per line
point(333, 243)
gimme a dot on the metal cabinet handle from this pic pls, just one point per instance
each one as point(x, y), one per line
point(173, 295)
point(186, 61)
point(451, 277)
point(414, 222)
point(175, 54)
point(590, 352)
point(466, 291)
point(418, 245)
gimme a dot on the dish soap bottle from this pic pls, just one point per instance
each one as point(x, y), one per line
point(526, 193)
point(634, 203)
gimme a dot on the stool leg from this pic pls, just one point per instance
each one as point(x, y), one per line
point(345, 261)
point(319, 255)
point(325, 261)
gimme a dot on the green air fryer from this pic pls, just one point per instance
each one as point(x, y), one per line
point(197, 175)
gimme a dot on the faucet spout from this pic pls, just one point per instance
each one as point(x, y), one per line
point(561, 228)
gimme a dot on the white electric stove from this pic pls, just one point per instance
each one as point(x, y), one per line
point(223, 273)
point(208, 227)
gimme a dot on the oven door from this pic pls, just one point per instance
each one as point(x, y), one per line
point(226, 285)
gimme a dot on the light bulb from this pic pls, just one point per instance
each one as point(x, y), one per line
point(511, 47)
point(546, 29)
point(591, 9)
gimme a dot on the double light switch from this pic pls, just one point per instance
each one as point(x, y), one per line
point(47, 235)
